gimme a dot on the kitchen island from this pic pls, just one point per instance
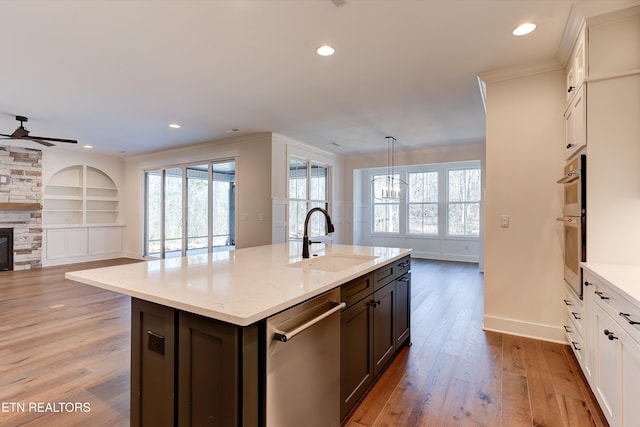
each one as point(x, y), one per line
point(198, 322)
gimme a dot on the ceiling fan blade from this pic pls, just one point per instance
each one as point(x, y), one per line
point(7, 136)
point(39, 141)
point(44, 138)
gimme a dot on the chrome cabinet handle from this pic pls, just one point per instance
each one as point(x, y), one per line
point(285, 336)
point(625, 316)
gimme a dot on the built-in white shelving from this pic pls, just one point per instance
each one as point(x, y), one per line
point(80, 195)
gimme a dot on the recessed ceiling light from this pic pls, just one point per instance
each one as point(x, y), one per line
point(325, 50)
point(88, 146)
point(175, 126)
point(524, 29)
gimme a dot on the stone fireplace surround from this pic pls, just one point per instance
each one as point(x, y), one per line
point(20, 198)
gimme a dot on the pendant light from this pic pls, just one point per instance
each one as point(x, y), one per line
point(389, 187)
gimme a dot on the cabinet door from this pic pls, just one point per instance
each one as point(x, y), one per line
point(153, 377)
point(403, 309)
point(608, 364)
point(590, 330)
point(576, 122)
point(208, 372)
point(383, 326)
point(356, 357)
point(630, 380)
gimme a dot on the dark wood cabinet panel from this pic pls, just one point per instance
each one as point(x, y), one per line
point(356, 356)
point(208, 372)
point(383, 327)
point(403, 309)
point(356, 289)
point(152, 364)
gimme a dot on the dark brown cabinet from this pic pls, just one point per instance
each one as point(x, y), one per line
point(374, 326)
point(188, 370)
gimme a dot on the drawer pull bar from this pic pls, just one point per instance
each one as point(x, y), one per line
point(567, 302)
point(403, 279)
point(626, 317)
point(404, 264)
point(566, 329)
point(610, 335)
point(575, 315)
point(600, 295)
point(575, 346)
point(587, 283)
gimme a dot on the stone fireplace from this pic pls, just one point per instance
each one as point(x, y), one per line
point(20, 204)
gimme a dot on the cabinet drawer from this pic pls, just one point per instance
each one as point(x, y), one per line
point(355, 290)
point(392, 271)
point(574, 338)
point(618, 307)
point(574, 309)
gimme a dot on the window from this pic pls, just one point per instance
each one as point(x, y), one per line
point(308, 188)
point(386, 212)
point(463, 205)
point(423, 202)
point(442, 200)
point(189, 209)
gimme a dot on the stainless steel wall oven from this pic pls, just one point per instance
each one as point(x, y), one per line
point(574, 219)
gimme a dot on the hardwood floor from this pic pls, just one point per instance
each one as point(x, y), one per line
point(63, 342)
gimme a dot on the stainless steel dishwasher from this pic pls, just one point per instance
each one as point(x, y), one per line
point(303, 364)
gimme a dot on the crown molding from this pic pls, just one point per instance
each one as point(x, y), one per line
point(575, 23)
point(517, 72)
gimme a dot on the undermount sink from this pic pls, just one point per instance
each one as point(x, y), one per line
point(332, 262)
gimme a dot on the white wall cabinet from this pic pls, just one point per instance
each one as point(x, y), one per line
point(576, 122)
point(77, 244)
point(575, 70)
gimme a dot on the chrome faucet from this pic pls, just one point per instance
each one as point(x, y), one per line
point(305, 238)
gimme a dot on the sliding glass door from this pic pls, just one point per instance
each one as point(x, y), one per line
point(190, 209)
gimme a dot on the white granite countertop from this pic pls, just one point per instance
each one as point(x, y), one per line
point(625, 278)
point(241, 286)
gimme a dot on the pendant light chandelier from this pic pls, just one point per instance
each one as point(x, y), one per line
point(389, 187)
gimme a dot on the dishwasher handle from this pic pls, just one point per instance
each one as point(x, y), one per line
point(285, 336)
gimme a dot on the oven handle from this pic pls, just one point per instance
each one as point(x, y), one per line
point(569, 219)
point(570, 177)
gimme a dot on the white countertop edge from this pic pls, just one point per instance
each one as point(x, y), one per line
point(256, 316)
point(624, 278)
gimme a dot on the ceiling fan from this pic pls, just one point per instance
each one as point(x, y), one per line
point(22, 133)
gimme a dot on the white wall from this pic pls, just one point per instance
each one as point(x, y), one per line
point(253, 185)
point(525, 157)
point(359, 212)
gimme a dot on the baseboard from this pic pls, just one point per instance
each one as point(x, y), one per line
point(525, 329)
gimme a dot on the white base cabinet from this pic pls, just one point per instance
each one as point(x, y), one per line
point(78, 244)
point(612, 359)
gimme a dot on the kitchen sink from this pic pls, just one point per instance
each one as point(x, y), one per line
point(334, 262)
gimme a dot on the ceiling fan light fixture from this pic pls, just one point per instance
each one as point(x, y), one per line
point(325, 50)
point(524, 29)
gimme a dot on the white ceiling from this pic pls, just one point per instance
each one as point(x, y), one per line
point(114, 74)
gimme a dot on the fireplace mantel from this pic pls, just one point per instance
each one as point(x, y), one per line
point(13, 206)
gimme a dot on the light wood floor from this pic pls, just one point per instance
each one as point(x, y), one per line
point(61, 341)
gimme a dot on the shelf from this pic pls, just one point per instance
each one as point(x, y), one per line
point(78, 196)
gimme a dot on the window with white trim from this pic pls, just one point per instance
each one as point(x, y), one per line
point(423, 202)
point(386, 212)
point(308, 188)
point(463, 202)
